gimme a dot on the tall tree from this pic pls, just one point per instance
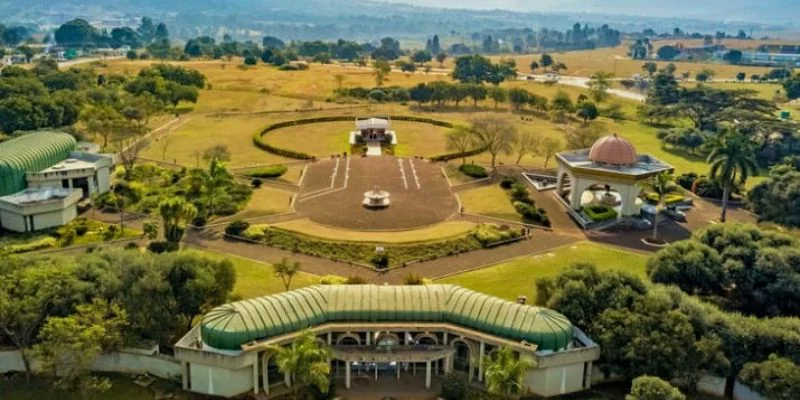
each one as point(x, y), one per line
point(599, 83)
point(68, 345)
point(732, 160)
point(549, 148)
point(306, 361)
point(496, 134)
point(103, 121)
point(528, 143)
point(381, 71)
point(661, 185)
point(460, 140)
point(176, 214)
point(776, 378)
point(212, 183)
point(286, 270)
point(505, 371)
point(32, 290)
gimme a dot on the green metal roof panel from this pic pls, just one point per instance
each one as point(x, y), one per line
point(31, 152)
point(230, 326)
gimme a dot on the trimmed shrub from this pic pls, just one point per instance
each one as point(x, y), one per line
point(162, 247)
point(256, 183)
point(686, 180)
point(236, 228)
point(600, 212)
point(520, 193)
point(131, 246)
point(508, 182)
point(705, 187)
point(332, 280)
point(273, 171)
point(472, 170)
point(380, 261)
point(258, 138)
point(670, 199)
point(200, 220)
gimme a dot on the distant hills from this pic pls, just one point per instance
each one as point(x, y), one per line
point(764, 11)
point(372, 19)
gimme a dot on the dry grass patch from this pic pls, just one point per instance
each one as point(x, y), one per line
point(445, 230)
point(491, 201)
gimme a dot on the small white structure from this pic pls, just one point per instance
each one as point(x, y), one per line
point(376, 198)
point(35, 209)
point(373, 130)
point(608, 173)
point(85, 171)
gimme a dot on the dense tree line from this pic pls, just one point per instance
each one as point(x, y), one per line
point(661, 331)
point(155, 297)
point(79, 33)
point(743, 267)
point(579, 37)
point(777, 199)
point(13, 36)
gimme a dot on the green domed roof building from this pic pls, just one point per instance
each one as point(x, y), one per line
point(381, 331)
point(31, 152)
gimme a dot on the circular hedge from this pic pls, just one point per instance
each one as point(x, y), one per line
point(258, 138)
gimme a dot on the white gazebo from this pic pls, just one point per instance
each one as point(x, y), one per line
point(373, 130)
point(608, 173)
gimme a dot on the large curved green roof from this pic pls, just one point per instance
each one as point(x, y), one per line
point(232, 325)
point(31, 152)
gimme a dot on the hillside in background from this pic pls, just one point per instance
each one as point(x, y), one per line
point(370, 20)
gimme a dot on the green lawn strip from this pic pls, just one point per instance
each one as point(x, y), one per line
point(439, 232)
point(16, 243)
point(518, 276)
point(255, 279)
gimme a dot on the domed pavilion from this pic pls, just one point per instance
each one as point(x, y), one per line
point(608, 173)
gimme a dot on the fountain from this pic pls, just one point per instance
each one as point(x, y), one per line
point(376, 198)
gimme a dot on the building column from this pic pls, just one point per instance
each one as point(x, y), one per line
point(587, 380)
point(480, 362)
point(330, 338)
point(265, 373)
point(376, 371)
point(185, 380)
point(255, 376)
point(445, 338)
point(576, 193)
point(397, 368)
point(287, 379)
point(368, 338)
point(448, 364)
point(471, 366)
point(347, 375)
point(428, 375)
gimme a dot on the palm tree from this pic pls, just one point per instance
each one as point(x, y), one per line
point(286, 270)
point(732, 157)
point(213, 182)
point(662, 185)
point(306, 361)
point(505, 370)
point(176, 214)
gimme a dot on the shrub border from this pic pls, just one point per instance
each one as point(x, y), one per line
point(258, 137)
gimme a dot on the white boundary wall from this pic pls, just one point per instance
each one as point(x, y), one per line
point(162, 366)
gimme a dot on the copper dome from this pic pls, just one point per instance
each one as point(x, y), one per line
point(613, 150)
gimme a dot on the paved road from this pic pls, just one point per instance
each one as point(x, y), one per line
point(583, 82)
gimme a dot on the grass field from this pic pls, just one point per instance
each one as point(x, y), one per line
point(455, 175)
point(615, 60)
point(436, 232)
point(518, 277)
point(491, 201)
point(255, 279)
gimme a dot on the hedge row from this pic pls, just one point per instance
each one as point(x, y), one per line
point(258, 138)
point(273, 171)
point(453, 156)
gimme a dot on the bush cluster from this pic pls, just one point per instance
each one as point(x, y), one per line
point(524, 204)
point(273, 171)
point(686, 181)
point(364, 253)
point(472, 170)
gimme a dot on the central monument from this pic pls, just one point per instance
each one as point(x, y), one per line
point(376, 198)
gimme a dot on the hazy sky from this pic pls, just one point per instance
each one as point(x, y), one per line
point(764, 10)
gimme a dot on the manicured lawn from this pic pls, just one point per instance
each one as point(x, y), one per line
point(17, 243)
point(491, 201)
point(321, 139)
point(186, 144)
point(255, 279)
point(417, 139)
point(518, 277)
point(436, 232)
point(265, 201)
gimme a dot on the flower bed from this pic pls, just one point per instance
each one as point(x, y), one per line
point(599, 213)
point(524, 204)
point(484, 235)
